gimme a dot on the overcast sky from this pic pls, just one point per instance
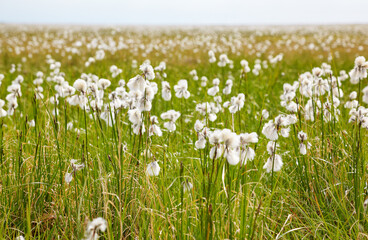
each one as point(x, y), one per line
point(184, 12)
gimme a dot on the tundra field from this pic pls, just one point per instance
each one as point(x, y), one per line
point(186, 133)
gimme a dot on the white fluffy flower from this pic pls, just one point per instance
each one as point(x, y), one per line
point(302, 136)
point(247, 138)
point(98, 224)
point(275, 161)
point(171, 116)
point(228, 86)
point(166, 91)
point(104, 83)
point(154, 129)
point(147, 71)
point(115, 71)
point(200, 143)
point(285, 132)
point(232, 156)
point(223, 60)
point(187, 186)
point(215, 137)
point(302, 148)
point(265, 114)
point(231, 143)
point(245, 65)
point(216, 152)
point(80, 85)
point(181, 89)
point(153, 169)
point(3, 113)
point(212, 56)
point(359, 71)
point(247, 154)
point(68, 177)
point(230, 139)
point(270, 131)
point(198, 126)
point(135, 116)
point(271, 147)
point(237, 103)
point(136, 83)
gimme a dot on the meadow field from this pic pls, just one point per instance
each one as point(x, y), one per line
point(183, 132)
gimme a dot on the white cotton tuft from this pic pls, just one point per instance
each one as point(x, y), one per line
point(276, 161)
point(153, 169)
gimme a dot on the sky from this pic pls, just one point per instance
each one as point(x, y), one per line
point(184, 12)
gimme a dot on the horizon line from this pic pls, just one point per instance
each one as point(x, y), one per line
point(185, 24)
